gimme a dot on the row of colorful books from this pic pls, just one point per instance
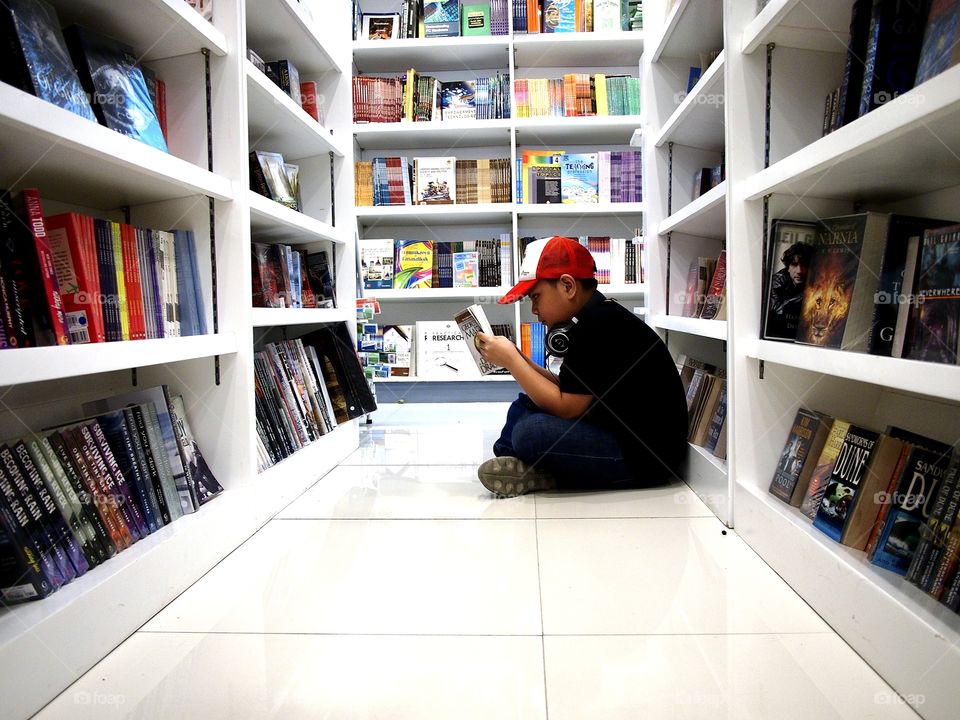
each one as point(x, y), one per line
point(421, 264)
point(619, 261)
point(284, 74)
point(74, 279)
point(288, 277)
point(433, 18)
point(423, 98)
point(554, 176)
point(706, 388)
point(902, 45)
point(706, 293)
point(304, 388)
point(894, 495)
point(75, 495)
point(881, 283)
point(386, 181)
point(276, 179)
point(89, 74)
point(577, 94)
point(561, 16)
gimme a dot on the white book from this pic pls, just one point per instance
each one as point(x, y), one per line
point(606, 16)
point(441, 352)
point(603, 170)
point(473, 320)
point(376, 262)
point(436, 180)
point(506, 260)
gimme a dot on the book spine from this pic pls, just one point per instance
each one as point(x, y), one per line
point(16, 324)
point(143, 458)
point(120, 482)
point(31, 581)
point(119, 534)
point(48, 275)
point(108, 485)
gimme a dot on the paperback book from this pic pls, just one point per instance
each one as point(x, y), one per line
point(471, 321)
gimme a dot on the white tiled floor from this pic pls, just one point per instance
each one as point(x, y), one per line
point(397, 587)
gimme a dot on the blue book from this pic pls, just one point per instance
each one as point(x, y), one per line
point(579, 178)
point(941, 40)
point(192, 315)
point(893, 51)
point(844, 481)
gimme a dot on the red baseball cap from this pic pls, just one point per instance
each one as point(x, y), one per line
point(548, 259)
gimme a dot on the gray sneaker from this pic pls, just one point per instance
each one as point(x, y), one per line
point(509, 476)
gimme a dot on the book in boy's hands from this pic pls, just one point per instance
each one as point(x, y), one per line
point(473, 320)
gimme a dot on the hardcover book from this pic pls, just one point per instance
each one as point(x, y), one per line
point(413, 264)
point(471, 321)
point(785, 274)
point(824, 468)
point(934, 331)
point(839, 295)
point(799, 456)
point(37, 60)
point(845, 481)
point(109, 73)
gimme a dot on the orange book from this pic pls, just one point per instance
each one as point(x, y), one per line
point(74, 248)
point(533, 16)
point(131, 279)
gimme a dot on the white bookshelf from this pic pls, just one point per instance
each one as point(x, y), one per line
point(714, 329)
point(705, 217)
point(901, 157)
point(686, 28)
point(518, 56)
point(698, 120)
point(79, 165)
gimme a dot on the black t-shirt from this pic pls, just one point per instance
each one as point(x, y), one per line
point(638, 395)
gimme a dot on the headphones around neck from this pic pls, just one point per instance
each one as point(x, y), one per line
point(558, 339)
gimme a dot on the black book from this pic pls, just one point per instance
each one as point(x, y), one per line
point(109, 73)
point(894, 41)
point(336, 350)
point(147, 466)
point(850, 88)
point(322, 279)
point(39, 572)
point(106, 460)
point(52, 518)
point(118, 438)
point(13, 279)
point(34, 56)
point(934, 531)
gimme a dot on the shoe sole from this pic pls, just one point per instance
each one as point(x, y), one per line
point(510, 482)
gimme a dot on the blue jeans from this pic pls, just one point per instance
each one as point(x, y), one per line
point(579, 454)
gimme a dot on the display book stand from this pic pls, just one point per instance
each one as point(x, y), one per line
point(461, 58)
point(901, 157)
point(684, 132)
point(216, 108)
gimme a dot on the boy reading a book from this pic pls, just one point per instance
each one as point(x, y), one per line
point(615, 416)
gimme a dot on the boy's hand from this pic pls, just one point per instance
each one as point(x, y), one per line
point(497, 349)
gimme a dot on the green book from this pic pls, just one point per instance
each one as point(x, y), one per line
point(475, 19)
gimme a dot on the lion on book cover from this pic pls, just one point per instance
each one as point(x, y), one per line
point(826, 302)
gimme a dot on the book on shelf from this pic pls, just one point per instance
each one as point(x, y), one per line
point(475, 19)
point(110, 74)
point(894, 41)
point(466, 269)
point(376, 262)
point(844, 104)
point(786, 267)
point(716, 435)
point(713, 302)
point(914, 492)
point(203, 484)
point(579, 178)
point(413, 264)
point(706, 409)
point(799, 456)
point(36, 59)
point(321, 274)
point(285, 76)
point(472, 320)
point(940, 48)
point(458, 100)
point(442, 353)
point(312, 100)
point(934, 321)
point(398, 347)
point(269, 178)
point(934, 532)
point(348, 388)
point(381, 26)
point(204, 7)
point(435, 180)
point(441, 18)
point(823, 469)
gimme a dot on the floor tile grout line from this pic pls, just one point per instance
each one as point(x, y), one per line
point(541, 635)
point(543, 643)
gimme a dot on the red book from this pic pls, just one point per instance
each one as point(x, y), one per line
point(48, 276)
point(74, 248)
point(131, 280)
point(310, 99)
point(161, 108)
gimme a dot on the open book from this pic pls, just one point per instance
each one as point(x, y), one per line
point(473, 320)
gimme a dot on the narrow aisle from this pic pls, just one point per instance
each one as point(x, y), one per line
point(397, 587)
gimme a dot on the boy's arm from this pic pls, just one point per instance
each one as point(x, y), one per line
point(536, 382)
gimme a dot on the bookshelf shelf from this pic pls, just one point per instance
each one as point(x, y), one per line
point(811, 25)
point(594, 49)
point(714, 329)
point(156, 29)
point(698, 120)
point(493, 213)
point(283, 29)
point(278, 317)
point(278, 124)
point(471, 295)
point(704, 217)
point(884, 618)
point(591, 130)
point(432, 54)
point(686, 31)
point(486, 378)
point(581, 210)
point(624, 290)
point(923, 378)
point(448, 134)
point(270, 220)
point(26, 365)
point(71, 158)
point(875, 156)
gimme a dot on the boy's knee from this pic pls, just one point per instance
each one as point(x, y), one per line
point(530, 439)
